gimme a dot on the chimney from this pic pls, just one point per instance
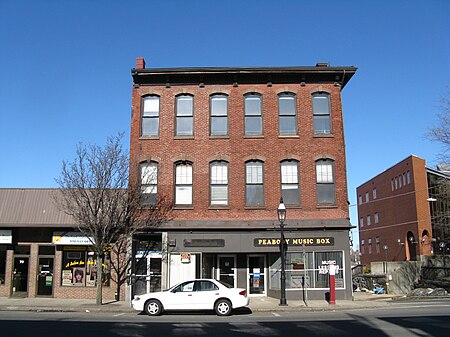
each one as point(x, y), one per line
point(140, 63)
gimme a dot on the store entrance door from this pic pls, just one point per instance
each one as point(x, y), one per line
point(147, 276)
point(227, 269)
point(256, 275)
point(45, 277)
point(20, 277)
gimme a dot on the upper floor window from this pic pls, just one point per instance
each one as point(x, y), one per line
point(359, 199)
point(408, 177)
point(254, 183)
point(321, 112)
point(375, 217)
point(183, 184)
point(149, 183)
point(368, 220)
point(289, 182)
point(325, 186)
point(219, 183)
point(287, 114)
point(363, 250)
point(219, 115)
point(150, 116)
point(253, 115)
point(361, 222)
point(184, 115)
point(374, 193)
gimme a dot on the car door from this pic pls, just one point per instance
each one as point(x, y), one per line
point(205, 294)
point(180, 297)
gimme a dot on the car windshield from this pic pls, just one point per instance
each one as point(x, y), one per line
point(225, 284)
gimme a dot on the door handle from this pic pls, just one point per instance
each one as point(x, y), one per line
point(190, 295)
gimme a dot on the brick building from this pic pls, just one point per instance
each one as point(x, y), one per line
point(400, 212)
point(224, 144)
point(41, 253)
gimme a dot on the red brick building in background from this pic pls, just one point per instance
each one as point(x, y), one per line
point(400, 213)
point(224, 144)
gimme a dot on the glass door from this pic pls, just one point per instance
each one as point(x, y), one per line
point(256, 274)
point(227, 269)
point(45, 276)
point(20, 276)
point(147, 276)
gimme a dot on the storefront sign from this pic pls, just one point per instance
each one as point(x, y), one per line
point(271, 242)
point(5, 236)
point(70, 238)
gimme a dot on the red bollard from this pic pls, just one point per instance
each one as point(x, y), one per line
point(332, 269)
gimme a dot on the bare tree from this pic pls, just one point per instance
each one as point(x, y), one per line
point(95, 191)
point(441, 132)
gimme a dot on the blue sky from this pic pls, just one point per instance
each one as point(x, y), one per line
point(65, 69)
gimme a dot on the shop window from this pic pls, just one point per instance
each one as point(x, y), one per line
point(79, 267)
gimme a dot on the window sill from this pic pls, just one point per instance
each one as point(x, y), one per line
point(254, 137)
point(181, 207)
point(288, 136)
point(149, 138)
point(183, 137)
point(219, 137)
point(325, 135)
point(254, 207)
point(218, 208)
point(327, 206)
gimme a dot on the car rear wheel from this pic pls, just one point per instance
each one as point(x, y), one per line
point(153, 307)
point(223, 307)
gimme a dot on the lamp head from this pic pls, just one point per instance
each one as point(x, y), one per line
point(281, 211)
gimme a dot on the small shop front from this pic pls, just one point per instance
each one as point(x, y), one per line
point(251, 260)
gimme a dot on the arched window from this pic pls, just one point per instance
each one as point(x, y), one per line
point(254, 183)
point(321, 112)
point(325, 186)
point(183, 184)
point(150, 116)
point(218, 183)
point(219, 115)
point(149, 183)
point(184, 115)
point(253, 115)
point(287, 114)
point(289, 182)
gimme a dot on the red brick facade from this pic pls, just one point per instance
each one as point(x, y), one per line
point(403, 212)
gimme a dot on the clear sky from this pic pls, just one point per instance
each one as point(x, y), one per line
point(65, 69)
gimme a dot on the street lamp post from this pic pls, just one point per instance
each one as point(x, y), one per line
point(385, 247)
point(281, 218)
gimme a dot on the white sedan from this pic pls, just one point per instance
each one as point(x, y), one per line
point(201, 294)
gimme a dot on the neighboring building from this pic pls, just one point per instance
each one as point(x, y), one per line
point(41, 253)
point(225, 144)
point(394, 212)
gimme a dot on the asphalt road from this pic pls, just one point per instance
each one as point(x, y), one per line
point(427, 318)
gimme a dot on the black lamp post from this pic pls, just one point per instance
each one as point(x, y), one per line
point(281, 217)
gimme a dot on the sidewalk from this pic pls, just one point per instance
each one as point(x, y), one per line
point(361, 301)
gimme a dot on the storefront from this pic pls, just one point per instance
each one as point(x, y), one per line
point(251, 260)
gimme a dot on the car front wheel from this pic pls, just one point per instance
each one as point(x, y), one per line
point(153, 308)
point(223, 307)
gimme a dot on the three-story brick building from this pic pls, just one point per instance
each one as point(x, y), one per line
point(224, 144)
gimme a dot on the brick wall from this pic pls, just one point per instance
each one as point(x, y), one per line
point(237, 148)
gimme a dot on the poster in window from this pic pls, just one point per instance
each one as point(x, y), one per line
point(78, 276)
point(67, 277)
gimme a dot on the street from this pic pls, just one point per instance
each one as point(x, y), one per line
point(412, 318)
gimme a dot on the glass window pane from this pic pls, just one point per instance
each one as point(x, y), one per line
point(149, 173)
point(287, 125)
point(219, 106)
point(150, 126)
point(286, 105)
point(254, 173)
point(326, 194)
point(184, 106)
point(289, 173)
point(321, 104)
point(183, 195)
point(184, 174)
point(322, 124)
point(290, 194)
point(219, 126)
point(253, 126)
point(219, 174)
point(184, 126)
point(324, 171)
point(151, 106)
point(219, 195)
point(252, 105)
point(254, 195)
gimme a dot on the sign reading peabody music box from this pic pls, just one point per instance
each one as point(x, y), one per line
point(5, 236)
point(321, 241)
